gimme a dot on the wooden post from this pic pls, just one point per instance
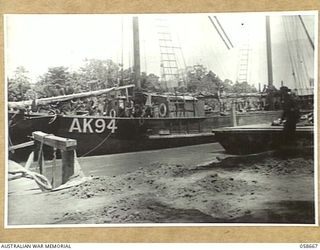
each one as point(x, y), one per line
point(67, 147)
point(67, 165)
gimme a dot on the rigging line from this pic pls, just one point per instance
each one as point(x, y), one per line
point(301, 63)
point(215, 59)
point(309, 52)
point(170, 52)
point(167, 51)
point(288, 47)
point(295, 49)
point(181, 51)
point(98, 145)
point(243, 57)
point(310, 57)
point(304, 61)
point(291, 29)
point(304, 73)
point(215, 17)
point(214, 25)
point(305, 67)
point(294, 39)
point(246, 50)
point(178, 64)
point(173, 50)
point(163, 73)
point(306, 31)
point(238, 66)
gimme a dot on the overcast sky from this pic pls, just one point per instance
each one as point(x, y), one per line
point(41, 41)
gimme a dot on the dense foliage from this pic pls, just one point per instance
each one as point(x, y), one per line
point(97, 74)
point(18, 85)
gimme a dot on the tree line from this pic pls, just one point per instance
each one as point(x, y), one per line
point(98, 74)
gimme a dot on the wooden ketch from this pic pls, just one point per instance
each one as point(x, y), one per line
point(177, 120)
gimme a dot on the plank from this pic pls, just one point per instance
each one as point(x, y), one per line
point(61, 143)
point(21, 145)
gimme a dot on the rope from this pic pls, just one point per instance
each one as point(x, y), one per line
point(42, 181)
point(53, 119)
point(98, 145)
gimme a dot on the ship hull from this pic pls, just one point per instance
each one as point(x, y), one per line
point(99, 135)
point(131, 134)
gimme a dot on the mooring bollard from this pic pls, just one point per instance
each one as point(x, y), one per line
point(64, 171)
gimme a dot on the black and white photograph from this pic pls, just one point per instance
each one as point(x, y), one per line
point(161, 119)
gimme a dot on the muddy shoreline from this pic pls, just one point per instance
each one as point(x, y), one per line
point(265, 189)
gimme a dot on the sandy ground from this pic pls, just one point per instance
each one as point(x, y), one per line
point(258, 189)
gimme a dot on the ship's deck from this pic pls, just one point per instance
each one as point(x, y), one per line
point(261, 127)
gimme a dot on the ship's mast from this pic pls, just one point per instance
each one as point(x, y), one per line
point(269, 53)
point(136, 52)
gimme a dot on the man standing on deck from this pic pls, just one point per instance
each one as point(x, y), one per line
point(290, 115)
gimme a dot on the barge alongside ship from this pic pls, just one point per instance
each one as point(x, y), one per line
point(241, 140)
